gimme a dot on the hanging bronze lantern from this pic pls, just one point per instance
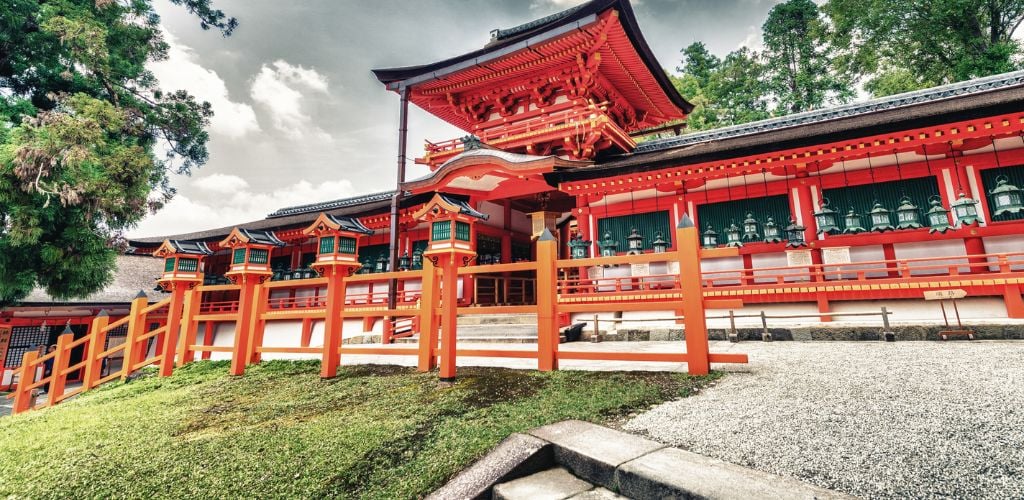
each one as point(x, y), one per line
point(404, 262)
point(382, 264)
point(938, 217)
point(732, 236)
point(908, 216)
point(635, 242)
point(417, 259)
point(795, 234)
point(609, 247)
point(710, 238)
point(881, 219)
point(965, 210)
point(826, 219)
point(1007, 198)
point(853, 224)
point(750, 227)
point(772, 233)
point(578, 248)
point(659, 244)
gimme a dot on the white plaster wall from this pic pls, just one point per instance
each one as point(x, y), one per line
point(922, 249)
point(284, 334)
point(776, 259)
point(223, 336)
point(722, 264)
point(861, 254)
point(1006, 244)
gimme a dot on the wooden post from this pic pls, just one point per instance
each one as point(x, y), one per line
point(547, 299)
point(257, 325)
point(23, 393)
point(1012, 300)
point(428, 318)
point(209, 333)
point(97, 344)
point(449, 315)
point(243, 324)
point(330, 358)
point(765, 334)
point(186, 354)
point(58, 378)
point(694, 322)
point(136, 327)
point(169, 345)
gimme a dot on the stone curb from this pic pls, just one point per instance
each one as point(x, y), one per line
point(623, 463)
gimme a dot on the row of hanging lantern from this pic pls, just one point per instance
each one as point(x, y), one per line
point(750, 233)
point(580, 248)
point(405, 262)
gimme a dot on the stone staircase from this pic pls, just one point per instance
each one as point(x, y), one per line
point(492, 328)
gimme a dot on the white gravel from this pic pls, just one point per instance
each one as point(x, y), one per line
point(877, 420)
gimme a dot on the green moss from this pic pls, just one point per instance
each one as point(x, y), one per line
point(281, 431)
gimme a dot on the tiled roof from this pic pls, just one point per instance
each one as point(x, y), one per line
point(133, 273)
point(953, 90)
point(262, 237)
point(191, 247)
point(501, 34)
point(350, 224)
point(464, 207)
point(333, 204)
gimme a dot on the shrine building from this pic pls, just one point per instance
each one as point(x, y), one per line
point(572, 126)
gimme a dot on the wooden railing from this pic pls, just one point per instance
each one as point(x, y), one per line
point(133, 354)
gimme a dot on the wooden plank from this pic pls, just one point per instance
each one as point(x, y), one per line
point(713, 253)
point(723, 303)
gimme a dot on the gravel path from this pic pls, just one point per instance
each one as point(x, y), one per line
point(903, 420)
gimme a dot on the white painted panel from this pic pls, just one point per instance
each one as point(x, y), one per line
point(927, 249)
point(1005, 244)
point(223, 336)
point(732, 264)
point(868, 253)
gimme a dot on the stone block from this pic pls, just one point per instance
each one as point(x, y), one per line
point(592, 452)
point(552, 484)
point(598, 494)
point(674, 473)
point(517, 456)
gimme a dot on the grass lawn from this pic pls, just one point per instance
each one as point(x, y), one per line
point(281, 431)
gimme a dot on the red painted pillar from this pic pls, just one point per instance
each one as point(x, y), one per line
point(449, 311)
point(209, 330)
point(974, 246)
point(243, 331)
point(547, 320)
point(331, 355)
point(167, 344)
point(889, 254)
point(429, 302)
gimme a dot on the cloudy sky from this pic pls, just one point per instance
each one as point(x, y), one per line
point(300, 118)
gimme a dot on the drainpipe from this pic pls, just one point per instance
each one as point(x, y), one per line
point(403, 133)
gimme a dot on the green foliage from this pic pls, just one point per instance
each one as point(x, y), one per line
point(797, 58)
point(281, 431)
point(898, 45)
point(87, 137)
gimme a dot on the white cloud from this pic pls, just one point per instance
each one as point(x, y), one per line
point(283, 89)
point(754, 39)
point(181, 70)
point(233, 203)
point(558, 4)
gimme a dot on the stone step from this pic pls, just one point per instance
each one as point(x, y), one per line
point(504, 319)
point(551, 484)
point(493, 339)
point(497, 329)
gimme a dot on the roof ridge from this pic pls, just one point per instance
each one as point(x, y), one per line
point(501, 34)
point(931, 94)
point(331, 204)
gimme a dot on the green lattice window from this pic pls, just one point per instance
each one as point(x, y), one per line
point(988, 180)
point(462, 231)
point(238, 257)
point(647, 224)
point(258, 256)
point(169, 265)
point(327, 244)
point(346, 245)
point(720, 215)
point(369, 254)
point(188, 265)
point(862, 198)
point(441, 230)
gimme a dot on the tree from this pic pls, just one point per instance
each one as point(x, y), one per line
point(86, 136)
point(901, 45)
point(724, 92)
point(798, 59)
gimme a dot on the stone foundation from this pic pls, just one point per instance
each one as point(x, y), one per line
point(820, 332)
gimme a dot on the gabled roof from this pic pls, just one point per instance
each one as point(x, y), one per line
point(190, 247)
point(350, 224)
point(262, 237)
point(464, 207)
point(525, 36)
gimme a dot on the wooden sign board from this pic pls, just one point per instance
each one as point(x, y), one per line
point(641, 269)
point(798, 258)
point(595, 272)
point(955, 293)
point(835, 255)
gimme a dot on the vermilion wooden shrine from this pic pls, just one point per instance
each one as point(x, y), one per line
point(563, 201)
